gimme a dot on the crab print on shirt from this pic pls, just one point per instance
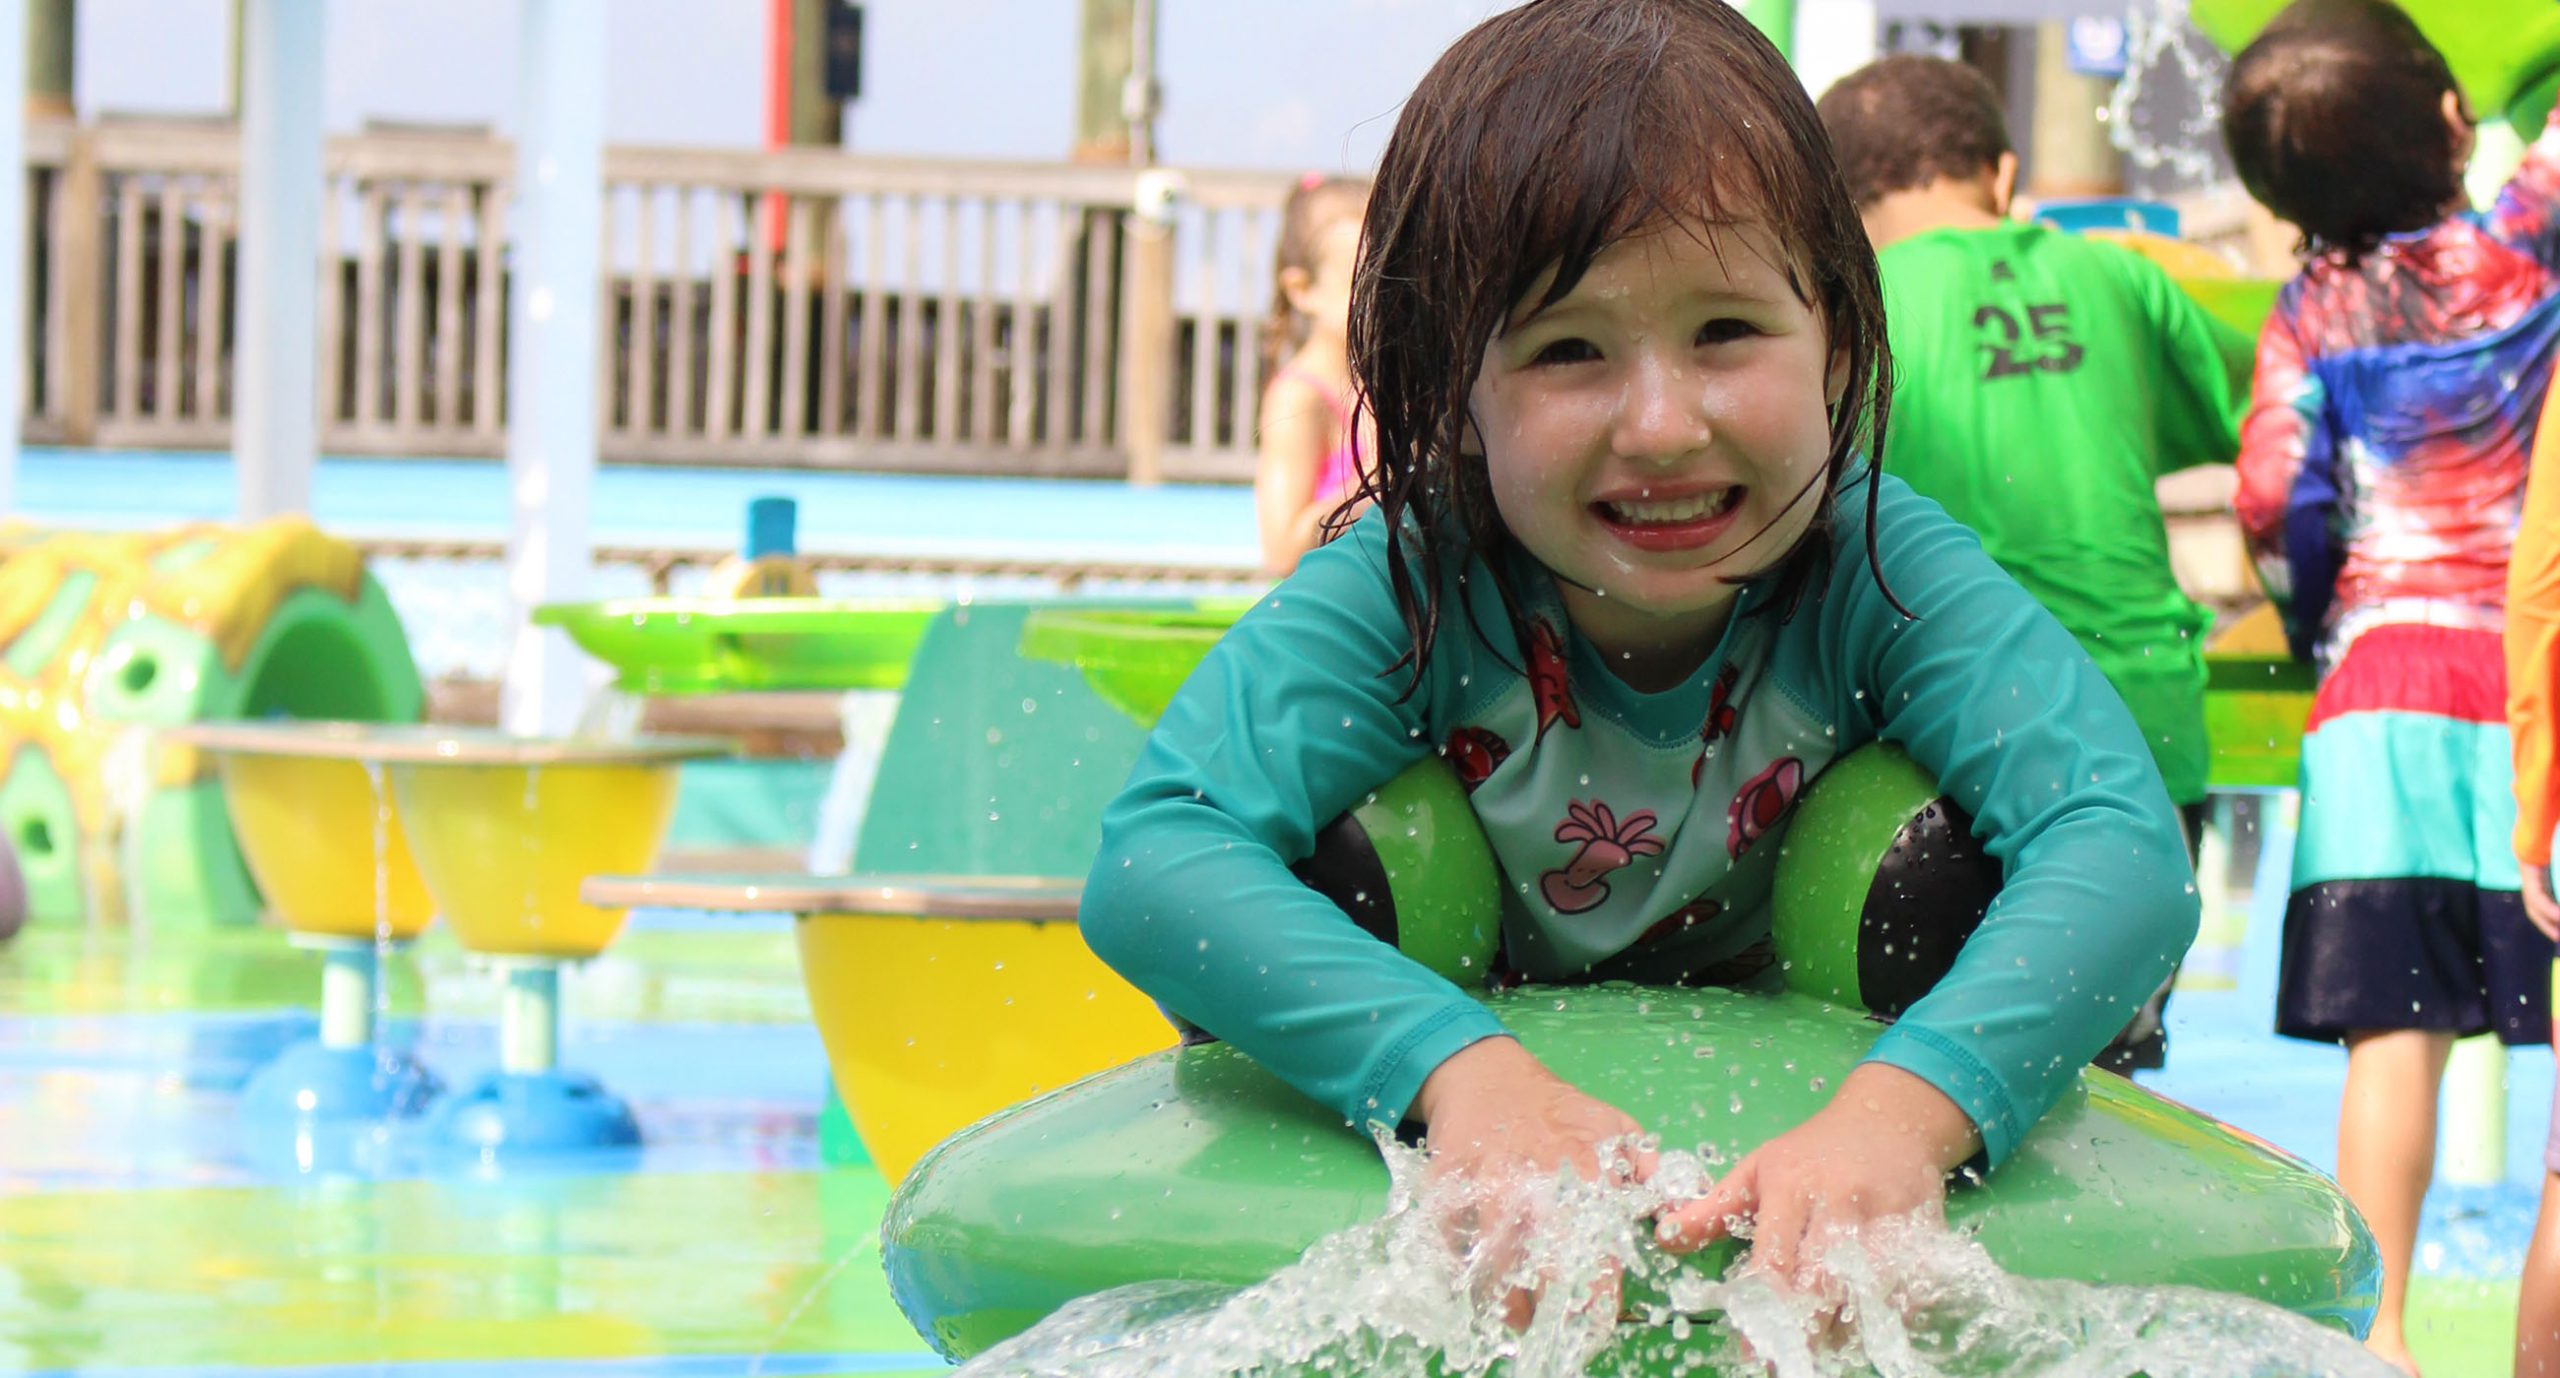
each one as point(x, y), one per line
point(1721, 716)
point(1475, 755)
point(1548, 682)
point(1763, 800)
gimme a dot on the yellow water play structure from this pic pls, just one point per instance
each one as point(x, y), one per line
point(941, 1000)
point(366, 831)
point(105, 637)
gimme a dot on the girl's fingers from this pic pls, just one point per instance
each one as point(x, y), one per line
point(1777, 1234)
point(1711, 1217)
point(1605, 1293)
point(1641, 1158)
point(1518, 1307)
point(1451, 1199)
point(1626, 1163)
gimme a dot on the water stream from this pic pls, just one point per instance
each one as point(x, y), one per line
point(1393, 1299)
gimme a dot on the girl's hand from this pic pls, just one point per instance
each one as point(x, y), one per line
point(2539, 905)
point(1882, 1147)
point(1501, 1125)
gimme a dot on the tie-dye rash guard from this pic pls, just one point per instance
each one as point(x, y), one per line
point(2382, 463)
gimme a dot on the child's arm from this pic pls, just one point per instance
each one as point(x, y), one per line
point(2204, 368)
point(1990, 694)
point(1290, 720)
point(1298, 431)
point(2533, 670)
point(2020, 729)
point(2287, 489)
point(2527, 211)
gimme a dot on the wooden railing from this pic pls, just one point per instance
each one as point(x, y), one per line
point(796, 308)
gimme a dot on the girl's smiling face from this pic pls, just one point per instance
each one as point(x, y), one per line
point(1659, 432)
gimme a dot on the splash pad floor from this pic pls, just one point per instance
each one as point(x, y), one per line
point(142, 1236)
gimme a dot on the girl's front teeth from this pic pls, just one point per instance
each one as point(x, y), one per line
point(1667, 513)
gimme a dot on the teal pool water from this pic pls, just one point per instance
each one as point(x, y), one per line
point(871, 513)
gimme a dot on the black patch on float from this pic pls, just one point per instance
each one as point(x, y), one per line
point(1345, 869)
point(1929, 894)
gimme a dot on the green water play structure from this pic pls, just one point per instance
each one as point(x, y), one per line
point(746, 645)
point(108, 638)
point(1196, 1164)
point(2504, 53)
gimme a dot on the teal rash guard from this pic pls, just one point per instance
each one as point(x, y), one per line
point(1637, 832)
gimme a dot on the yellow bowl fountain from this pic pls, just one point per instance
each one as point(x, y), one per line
point(505, 828)
point(321, 835)
point(319, 830)
point(940, 1000)
point(502, 829)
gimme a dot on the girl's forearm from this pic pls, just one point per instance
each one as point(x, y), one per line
point(1901, 1104)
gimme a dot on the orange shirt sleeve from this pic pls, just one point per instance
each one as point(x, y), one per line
point(2533, 646)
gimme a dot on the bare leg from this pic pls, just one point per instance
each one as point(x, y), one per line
point(2387, 1154)
point(2538, 1300)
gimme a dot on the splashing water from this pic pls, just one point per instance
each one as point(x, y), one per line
point(2157, 33)
point(1394, 1299)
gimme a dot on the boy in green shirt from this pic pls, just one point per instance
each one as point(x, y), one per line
point(2044, 382)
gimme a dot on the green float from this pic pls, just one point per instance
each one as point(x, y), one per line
point(1197, 1165)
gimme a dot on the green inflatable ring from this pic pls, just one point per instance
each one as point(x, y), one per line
point(1196, 1164)
point(1879, 883)
point(1409, 865)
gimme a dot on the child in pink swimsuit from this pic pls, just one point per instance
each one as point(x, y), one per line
point(1310, 450)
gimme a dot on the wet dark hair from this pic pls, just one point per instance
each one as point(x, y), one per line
point(1910, 120)
point(2334, 118)
point(1543, 136)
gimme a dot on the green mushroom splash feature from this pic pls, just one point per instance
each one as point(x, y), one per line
point(1174, 1201)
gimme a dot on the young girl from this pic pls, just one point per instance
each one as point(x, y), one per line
point(2381, 473)
point(1622, 333)
point(1310, 443)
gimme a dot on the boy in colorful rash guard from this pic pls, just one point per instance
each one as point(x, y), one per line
point(2382, 467)
point(1628, 573)
point(2044, 384)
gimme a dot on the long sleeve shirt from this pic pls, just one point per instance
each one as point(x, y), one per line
point(1637, 832)
point(2533, 653)
point(2382, 462)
